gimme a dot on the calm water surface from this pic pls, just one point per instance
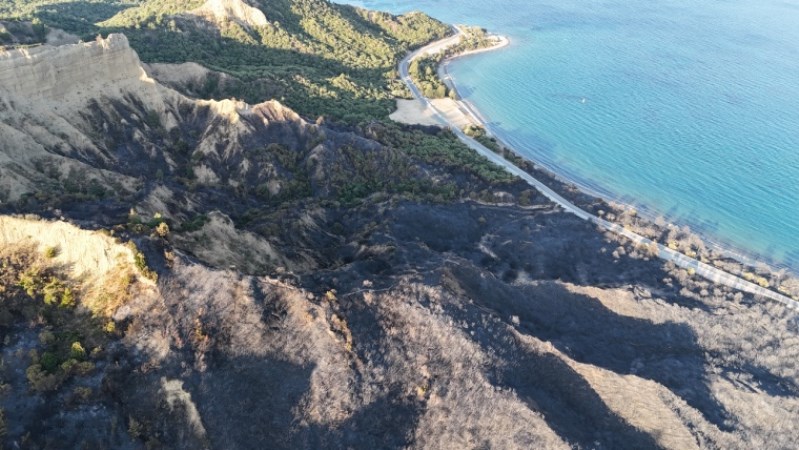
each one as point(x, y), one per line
point(687, 108)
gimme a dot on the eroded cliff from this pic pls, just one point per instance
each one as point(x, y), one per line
point(71, 73)
point(90, 108)
point(237, 10)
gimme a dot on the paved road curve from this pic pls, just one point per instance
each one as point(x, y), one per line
point(704, 270)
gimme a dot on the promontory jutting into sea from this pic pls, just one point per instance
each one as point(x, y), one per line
point(687, 109)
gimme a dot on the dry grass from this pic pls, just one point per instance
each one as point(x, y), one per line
point(99, 268)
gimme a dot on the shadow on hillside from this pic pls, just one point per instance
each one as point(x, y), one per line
point(250, 403)
point(386, 423)
point(79, 17)
point(540, 244)
point(545, 383)
point(563, 247)
point(585, 330)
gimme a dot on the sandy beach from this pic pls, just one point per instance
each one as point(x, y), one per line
point(457, 113)
point(413, 112)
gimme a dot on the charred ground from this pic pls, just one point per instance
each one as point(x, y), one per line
point(288, 283)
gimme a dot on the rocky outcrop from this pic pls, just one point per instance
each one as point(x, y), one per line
point(71, 72)
point(178, 76)
point(236, 10)
point(96, 264)
point(44, 93)
point(88, 254)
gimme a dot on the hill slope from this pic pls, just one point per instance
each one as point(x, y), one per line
point(259, 281)
point(317, 57)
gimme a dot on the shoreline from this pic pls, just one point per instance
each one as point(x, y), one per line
point(720, 246)
point(666, 253)
point(723, 247)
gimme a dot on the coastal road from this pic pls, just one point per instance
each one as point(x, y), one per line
point(429, 49)
point(665, 253)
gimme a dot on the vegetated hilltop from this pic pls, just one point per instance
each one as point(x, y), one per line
point(320, 58)
point(266, 282)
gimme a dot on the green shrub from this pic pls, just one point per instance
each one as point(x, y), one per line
point(81, 393)
point(67, 299)
point(141, 262)
point(68, 366)
point(49, 362)
point(46, 338)
point(162, 229)
point(52, 291)
point(153, 119)
point(194, 224)
point(135, 429)
point(474, 131)
point(84, 368)
point(41, 381)
point(30, 281)
point(76, 351)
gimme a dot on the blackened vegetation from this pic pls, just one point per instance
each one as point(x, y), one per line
point(275, 162)
point(358, 285)
point(396, 272)
point(485, 265)
point(239, 354)
point(54, 355)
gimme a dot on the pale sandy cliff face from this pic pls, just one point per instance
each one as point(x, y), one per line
point(237, 10)
point(92, 261)
point(181, 74)
point(44, 89)
point(89, 255)
point(70, 75)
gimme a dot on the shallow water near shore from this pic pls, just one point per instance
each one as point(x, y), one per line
point(688, 109)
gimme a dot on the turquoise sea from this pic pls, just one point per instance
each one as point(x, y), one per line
point(687, 109)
